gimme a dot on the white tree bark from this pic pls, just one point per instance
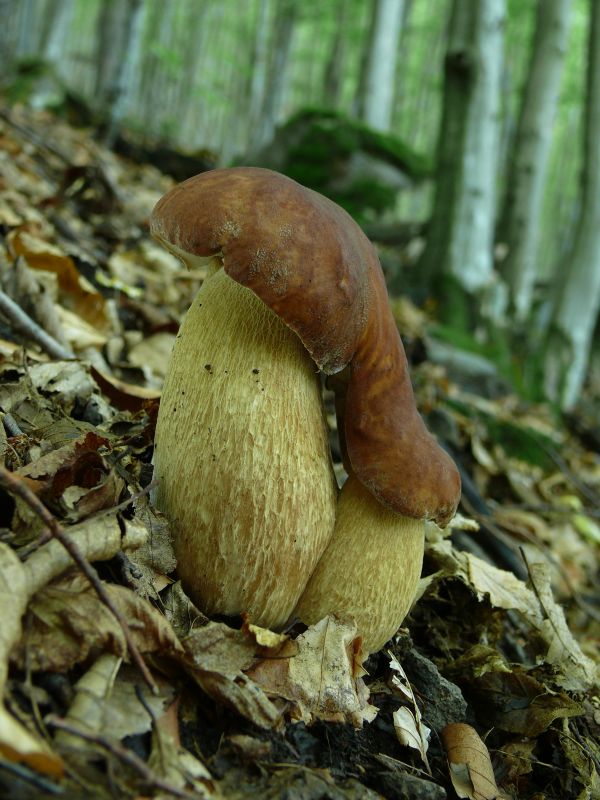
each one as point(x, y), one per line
point(460, 236)
point(260, 63)
point(471, 263)
point(377, 85)
point(576, 311)
point(334, 66)
point(128, 65)
point(281, 48)
point(528, 167)
point(56, 30)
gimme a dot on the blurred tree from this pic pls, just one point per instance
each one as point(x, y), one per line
point(578, 285)
point(56, 29)
point(129, 33)
point(376, 88)
point(457, 260)
point(278, 72)
point(520, 221)
point(260, 62)
point(334, 67)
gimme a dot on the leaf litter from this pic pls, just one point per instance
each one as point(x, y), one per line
point(493, 694)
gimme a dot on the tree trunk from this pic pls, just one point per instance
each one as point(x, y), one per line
point(376, 93)
point(260, 64)
point(520, 224)
point(56, 31)
point(576, 311)
point(127, 67)
point(458, 254)
point(30, 28)
point(8, 38)
point(334, 67)
point(281, 48)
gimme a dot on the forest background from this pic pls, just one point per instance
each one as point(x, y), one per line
point(463, 135)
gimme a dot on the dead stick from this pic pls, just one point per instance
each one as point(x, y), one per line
point(23, 323)
point(122, 753)
point(12, 484)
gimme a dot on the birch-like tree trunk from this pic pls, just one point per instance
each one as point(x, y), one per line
point(127, 67)
point(458, 254)
point(260, 63)
point(578, 296)
point(57, 25)
point(8, 38)
point(30, 28)
point(334, 67)
point(376, 91)
point(527, 171)
point(281, 48)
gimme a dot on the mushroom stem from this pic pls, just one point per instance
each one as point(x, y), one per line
point(370, 569)
point(242, 457)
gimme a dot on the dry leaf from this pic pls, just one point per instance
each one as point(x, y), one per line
point(68, 622)
point(469, 763)
point(323, 678)
point(17, 744)
point(408, 724)
point(217, 656)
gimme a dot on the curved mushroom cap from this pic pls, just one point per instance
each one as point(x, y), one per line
point(308, 260)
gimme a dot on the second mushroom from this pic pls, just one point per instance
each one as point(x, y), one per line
point(241, 455)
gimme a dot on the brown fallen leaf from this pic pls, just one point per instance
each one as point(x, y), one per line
point(77, 293)
point(124, 396)
point(469, 763)
point(68, 622)
point(323, 679)
point(216, 658)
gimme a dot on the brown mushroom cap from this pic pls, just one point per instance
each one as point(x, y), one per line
point(308, 260)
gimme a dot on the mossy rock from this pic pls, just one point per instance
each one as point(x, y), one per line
point(359, 168)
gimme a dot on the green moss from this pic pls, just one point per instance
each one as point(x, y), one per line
point(323, 141)
point(346, 135)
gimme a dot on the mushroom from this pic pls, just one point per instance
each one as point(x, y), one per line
point(248, 486)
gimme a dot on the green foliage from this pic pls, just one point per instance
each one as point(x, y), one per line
point(26, 76)
point(321, 144)
point(340, 135)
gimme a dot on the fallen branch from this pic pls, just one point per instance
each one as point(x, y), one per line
point(19, 488)
point(23, 323)
point(123, 754)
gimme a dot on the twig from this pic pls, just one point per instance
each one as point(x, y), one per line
point(47, 535)
point(23, 323)
point(34, 137)
point(10, 425)
point(122, 753)
point(31, 777)
point(12, 484)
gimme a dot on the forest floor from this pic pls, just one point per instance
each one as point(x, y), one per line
point(504, 639)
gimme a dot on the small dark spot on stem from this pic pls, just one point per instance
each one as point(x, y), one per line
point(255, 371)
point(208, 367)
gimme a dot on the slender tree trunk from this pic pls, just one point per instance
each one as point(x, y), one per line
point(376, 93)
point(260, 64)
point(458, 254)
point(8, 38)
point(56, 30)
point(576, 311)
point(520, 224)
point(130, 58)
point(281, 48)
point(334, 67)
point(108, 47)
point(30, 28)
